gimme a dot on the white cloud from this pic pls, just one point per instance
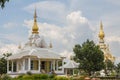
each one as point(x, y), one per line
point(47, 5)
point(76, 17)
point(7, 43)
point(67, 54)
point(48, 10)
point(28, 23)
point(14, 38)
point(11, 38)
point(116, 2)
point(8, 48)
point(113, 39)
point(9, 25)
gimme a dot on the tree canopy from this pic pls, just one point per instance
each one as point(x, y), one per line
point(109, 64)
point(118, 68)
point(90, 57)
point(3, 63)
point(2, 3)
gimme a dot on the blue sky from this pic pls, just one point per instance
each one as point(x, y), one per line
point(64, 22)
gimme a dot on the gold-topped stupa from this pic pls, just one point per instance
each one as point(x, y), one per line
point(101, 33)
point(103, 46)
point(35, 26)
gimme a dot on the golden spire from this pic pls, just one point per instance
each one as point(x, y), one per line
point(35, 28)
point(101, 33)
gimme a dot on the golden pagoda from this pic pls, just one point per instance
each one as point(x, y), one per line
point(35, 26)
point(103, 46)
point(101, 33)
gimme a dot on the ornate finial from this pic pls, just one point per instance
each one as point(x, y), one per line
point(35, 26)
point(50, 45)
point(101, 26)
point(101, 33)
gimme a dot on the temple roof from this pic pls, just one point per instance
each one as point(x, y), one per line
point(36, 52)
point(71, 64)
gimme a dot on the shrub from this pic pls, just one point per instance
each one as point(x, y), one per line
point(52, 76)
point(5, 77)
point(61, 78)
point(43, 76)
point(36, 76)
point(20, 76)
point(84, 73)
point(78, 78)
point(29, 73)
point(27, 77)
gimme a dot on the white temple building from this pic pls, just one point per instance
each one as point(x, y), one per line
point(35, 57)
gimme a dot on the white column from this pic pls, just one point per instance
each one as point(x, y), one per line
point(62, 65)
point(20, 65)
point(66, 71)
point(51, 66)
point(23, 66)
point(54, 65)
point(12, 66)
point(57, 65)
point(17, 65)
point(7, 66)
point(73, 71)
point(39, 65)
point(29, 64)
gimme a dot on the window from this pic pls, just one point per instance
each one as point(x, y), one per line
point(42, 64)
point(10, 65)
point(14, 66)
point(32, 65)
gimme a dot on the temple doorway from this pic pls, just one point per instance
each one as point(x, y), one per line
point(45, 66)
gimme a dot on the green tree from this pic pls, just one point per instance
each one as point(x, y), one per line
point(3, 63)
point(89, 56)
point(2, 3)
point(118, 68)
point(109, 65)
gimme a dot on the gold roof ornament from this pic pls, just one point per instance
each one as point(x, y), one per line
point(101, 33)
point(35, 28)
